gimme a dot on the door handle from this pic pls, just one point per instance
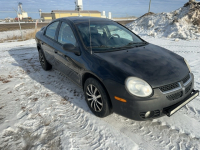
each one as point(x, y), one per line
point(65, 56)
point(42, 43)
point(55, 52)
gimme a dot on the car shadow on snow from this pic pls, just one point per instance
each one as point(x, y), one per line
point(27, 59)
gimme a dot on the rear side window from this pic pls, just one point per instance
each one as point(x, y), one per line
point(51, 30)
point(66, 34)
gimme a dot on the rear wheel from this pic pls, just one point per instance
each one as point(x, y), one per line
point(97, 98)
point(45, 65)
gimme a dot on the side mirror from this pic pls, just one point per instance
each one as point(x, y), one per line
point(71, 48)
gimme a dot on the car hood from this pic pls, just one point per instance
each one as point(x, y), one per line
point(152, 63)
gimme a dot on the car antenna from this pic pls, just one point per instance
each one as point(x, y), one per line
point(90, 35)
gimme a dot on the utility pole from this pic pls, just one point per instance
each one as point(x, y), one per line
point(18, 17)
point(149, 5)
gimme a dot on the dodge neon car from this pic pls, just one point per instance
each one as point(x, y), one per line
point(118, 71)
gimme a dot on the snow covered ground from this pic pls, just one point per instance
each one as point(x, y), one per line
point(183, 23)
point(45, 110)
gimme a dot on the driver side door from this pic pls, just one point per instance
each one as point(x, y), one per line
point(67, 62)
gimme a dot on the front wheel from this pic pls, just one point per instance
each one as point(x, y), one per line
point(97, 98)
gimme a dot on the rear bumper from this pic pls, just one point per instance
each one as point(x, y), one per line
point(169, 111)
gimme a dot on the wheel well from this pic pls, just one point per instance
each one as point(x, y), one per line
point(38, 47)
point(89, 75)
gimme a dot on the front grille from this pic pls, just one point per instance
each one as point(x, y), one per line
point(156, 113)
point(186, 79)
point(178, 88)
point(174, 85)
point(175, 96)
point(187, 89)
point(169, 87)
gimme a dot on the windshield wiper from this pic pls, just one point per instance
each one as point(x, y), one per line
point(102, 46)
point(135, 44)
point(131, 43)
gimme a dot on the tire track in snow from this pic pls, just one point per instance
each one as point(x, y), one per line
point(57, 120)
point(191, 111)
point(78, 124)
point(160, 134)
point(85, 129)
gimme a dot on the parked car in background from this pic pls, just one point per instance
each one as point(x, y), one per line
point(118, 71)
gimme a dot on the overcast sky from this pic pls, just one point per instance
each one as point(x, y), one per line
point(117, 7)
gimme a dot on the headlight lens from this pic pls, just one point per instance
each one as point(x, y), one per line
point(138, 87)
point(187, 64)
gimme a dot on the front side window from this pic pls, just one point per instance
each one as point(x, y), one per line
point(102, 36)
point(66, 34)
point(51, 30)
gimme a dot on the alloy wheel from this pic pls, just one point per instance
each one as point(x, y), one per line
point(94, 98)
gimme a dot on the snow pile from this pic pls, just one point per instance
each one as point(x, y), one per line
point(183, 23)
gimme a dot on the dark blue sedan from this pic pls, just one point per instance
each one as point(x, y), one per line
point(118, 71)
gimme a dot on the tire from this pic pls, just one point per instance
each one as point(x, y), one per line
point(44, 63)
point(96, 97)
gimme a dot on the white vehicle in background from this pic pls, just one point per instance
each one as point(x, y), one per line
point(9, 19)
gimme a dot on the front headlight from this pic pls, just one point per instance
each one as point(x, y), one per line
point(187, 64)
point(138, 87)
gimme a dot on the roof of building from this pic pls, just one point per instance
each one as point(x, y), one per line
point(74, 11)
point(46, 15)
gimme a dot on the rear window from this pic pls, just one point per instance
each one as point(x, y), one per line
point(51, 30)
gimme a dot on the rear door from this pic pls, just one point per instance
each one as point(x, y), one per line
point(67, 62)
point(48, 41)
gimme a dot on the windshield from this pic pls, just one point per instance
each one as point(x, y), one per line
point(107, 36)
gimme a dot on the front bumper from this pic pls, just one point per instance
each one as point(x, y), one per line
point(174, 108)
point(159, 104)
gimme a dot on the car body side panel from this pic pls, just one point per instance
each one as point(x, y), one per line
point(67, 62)
point(48, 49)
point(47, 44)
point(103, 70)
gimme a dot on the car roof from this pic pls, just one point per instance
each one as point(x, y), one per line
point(85, 19)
